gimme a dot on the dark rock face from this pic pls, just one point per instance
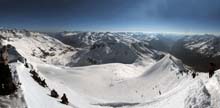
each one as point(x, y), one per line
point(7, 85)
point(198, 51)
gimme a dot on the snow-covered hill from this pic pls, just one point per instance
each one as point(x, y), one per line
point(92, 86)
point(37, 46)
point(159, 85)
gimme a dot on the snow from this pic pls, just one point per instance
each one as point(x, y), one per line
point(198, 96)
point(106, 86)
point(109, 84)
point(145, 83)
point(203, 44)
point(213, 86)
point(40, 47)
point(35, 95)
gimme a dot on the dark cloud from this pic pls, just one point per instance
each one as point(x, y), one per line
point(114, 13)
point(64, 8)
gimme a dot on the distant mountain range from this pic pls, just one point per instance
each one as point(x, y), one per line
point(87, 48)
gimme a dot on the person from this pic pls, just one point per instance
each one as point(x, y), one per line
point(211, 69)
point(6, 84)
point(37, 78)
point(43, 83)
point(26, 65)
point(159, 92)
point(64, 99)
point(32, 71)
point(194, 75)
point(54, 93)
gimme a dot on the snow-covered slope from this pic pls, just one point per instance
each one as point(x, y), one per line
point(198, 51)
point(159, 85)
point(108, 47)
point(108, 84)
point(145, 80)
point(115, 81)
point(115, 50)
point(37, 46)
point(208, 45)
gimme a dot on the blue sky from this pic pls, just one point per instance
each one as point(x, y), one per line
point(186, 16)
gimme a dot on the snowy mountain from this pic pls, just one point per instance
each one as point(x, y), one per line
point(128, 73)
point(86, 39)
point(107, 47)
point(98, 48)
point(37, 46)
point(198, 50)
point(159, 41)
point(114, 50)
point(207, 45)
point(78, 39)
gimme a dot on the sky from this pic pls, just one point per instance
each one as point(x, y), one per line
point(184, 16)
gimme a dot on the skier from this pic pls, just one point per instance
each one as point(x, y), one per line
point(211, 69)
point(6, 84)
point(64, 99)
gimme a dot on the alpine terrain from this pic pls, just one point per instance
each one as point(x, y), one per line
point(111, 69)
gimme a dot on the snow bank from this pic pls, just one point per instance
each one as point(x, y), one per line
point(213, 86)
point(198, 96)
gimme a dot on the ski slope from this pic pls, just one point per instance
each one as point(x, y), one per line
point(102, 86)
point(90, 86)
